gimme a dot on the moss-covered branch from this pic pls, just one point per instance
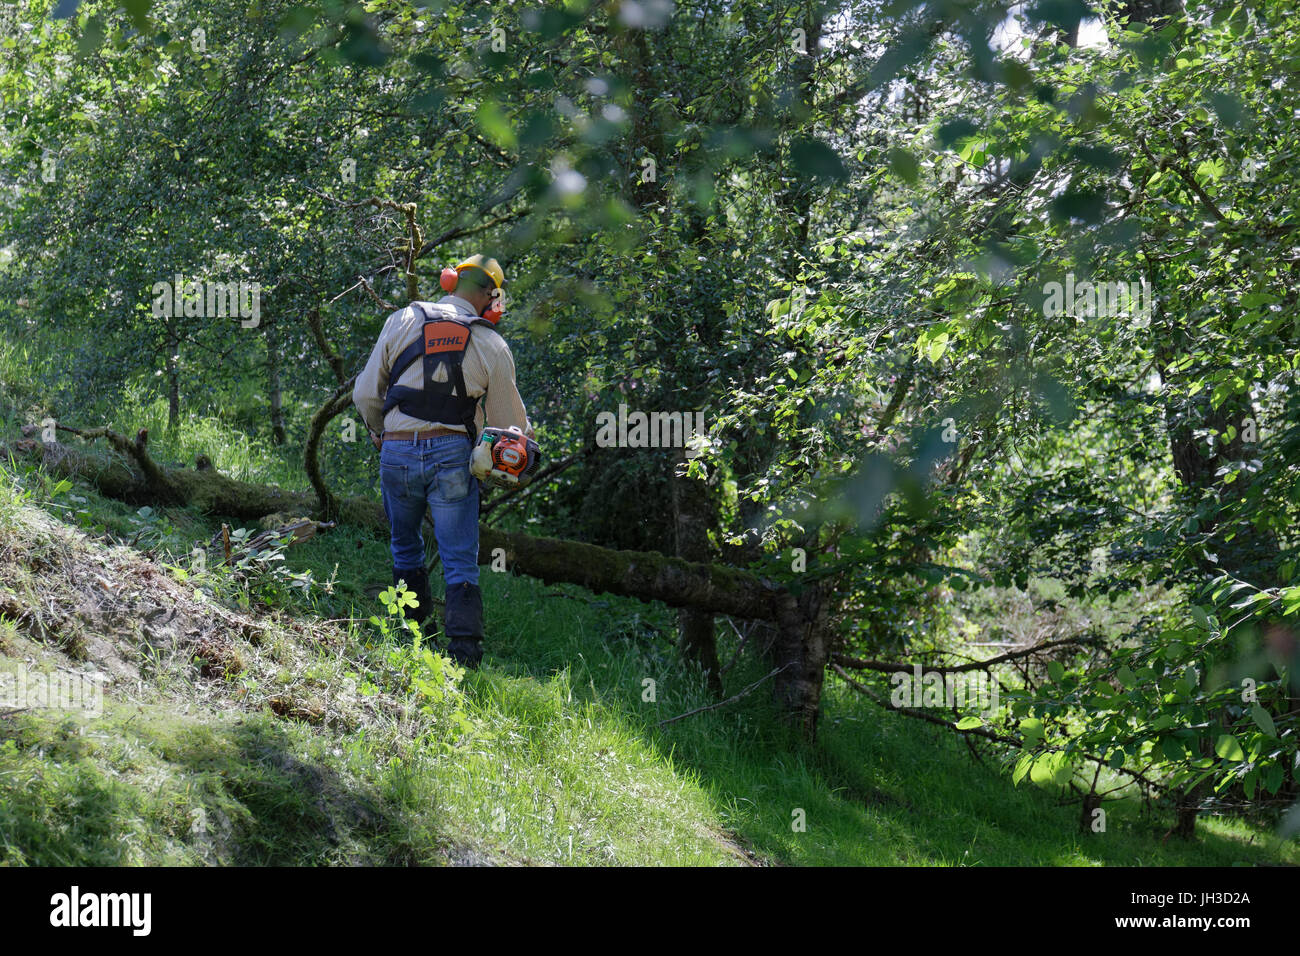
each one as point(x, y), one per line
point(414, 242)
point(326, 503)
point(156, 480)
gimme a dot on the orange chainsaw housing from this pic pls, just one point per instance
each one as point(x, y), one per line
point(514, 455)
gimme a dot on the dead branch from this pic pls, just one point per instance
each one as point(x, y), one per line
point(414, 242)
point(379, 300)
point(744, 639)
point(290, 534)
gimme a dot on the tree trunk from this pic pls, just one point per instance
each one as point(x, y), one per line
point(648, 575)
point(801, 650)
point(273, 386)
point(173, 383)
point(697, 637)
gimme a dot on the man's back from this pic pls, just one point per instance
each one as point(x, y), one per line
point(445, 356)
point(488, 367)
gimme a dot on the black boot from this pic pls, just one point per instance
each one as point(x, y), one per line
point(417, 582)
point(465, 624)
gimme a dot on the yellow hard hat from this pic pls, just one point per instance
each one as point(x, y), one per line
point(490, 266)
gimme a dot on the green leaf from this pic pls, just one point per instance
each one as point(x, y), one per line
point(1273, 777)
point(970, 723)
point(1022, 768)
point(1031, 728)
point(903, 164)
point(1056, 671)
point(817, 160)
point(495, 125)
point(1229, 748)
point(935, 347)
point(1210, 170)
point(1264, 720)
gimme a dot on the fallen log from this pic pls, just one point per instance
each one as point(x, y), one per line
point(801, 649)
point(205, 489)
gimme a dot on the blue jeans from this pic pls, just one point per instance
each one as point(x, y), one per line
point(432, 473)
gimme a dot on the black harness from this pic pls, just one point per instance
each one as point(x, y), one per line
point(442, 342)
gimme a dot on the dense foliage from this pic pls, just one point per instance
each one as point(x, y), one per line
point(848, 232)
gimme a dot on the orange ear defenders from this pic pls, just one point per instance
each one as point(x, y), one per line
point(450, 278)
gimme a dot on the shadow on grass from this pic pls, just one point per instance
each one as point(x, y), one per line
point(161, 789)
point(875, 789)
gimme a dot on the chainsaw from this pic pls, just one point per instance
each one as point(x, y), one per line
point(503, 457)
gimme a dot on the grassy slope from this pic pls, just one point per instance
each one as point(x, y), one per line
point(565, 762)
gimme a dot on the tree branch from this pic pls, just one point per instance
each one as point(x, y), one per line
point(898, 667)
point(154, 477)
point(333, 406)
point(921, 714)
point(1206, 200)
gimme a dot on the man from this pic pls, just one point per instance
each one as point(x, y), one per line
point(421, 389)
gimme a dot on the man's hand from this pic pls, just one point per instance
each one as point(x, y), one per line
point(375, 440)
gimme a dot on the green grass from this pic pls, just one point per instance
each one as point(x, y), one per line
point(566, 762)
point(877, 789)
point(235, 449)
point(151, 786)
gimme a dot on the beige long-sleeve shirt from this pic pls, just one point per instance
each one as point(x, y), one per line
point(488, 367)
